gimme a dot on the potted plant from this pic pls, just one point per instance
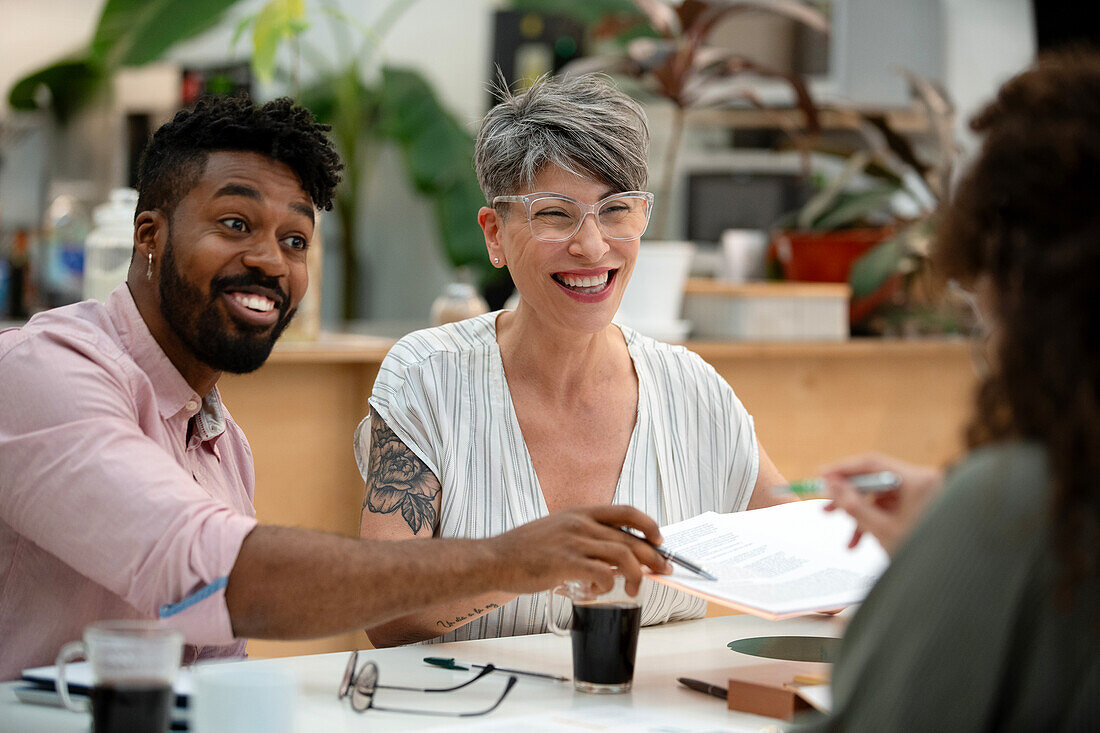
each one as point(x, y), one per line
point(871, 224)
point(666, 49)
point(367, 104)
point(396, 105)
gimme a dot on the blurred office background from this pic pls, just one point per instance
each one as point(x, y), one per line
point(965, 46)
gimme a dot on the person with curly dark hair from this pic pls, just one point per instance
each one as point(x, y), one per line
point(989, 616)
point(126, 487)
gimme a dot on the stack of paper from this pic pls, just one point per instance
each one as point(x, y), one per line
point(775, 563)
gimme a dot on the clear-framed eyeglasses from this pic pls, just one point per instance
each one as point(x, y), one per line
point(555, 217)
point(360, 683)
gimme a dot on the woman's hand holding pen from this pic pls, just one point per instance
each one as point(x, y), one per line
point(889, 516)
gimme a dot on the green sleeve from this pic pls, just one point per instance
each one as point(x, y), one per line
point(930, 647)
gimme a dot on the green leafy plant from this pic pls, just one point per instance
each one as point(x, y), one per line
point(391, 106)
point(668, 49)
point(129, 33)
point(397, 106)
point(902, 187)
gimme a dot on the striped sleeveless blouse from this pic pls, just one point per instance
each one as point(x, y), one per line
point(443, 392)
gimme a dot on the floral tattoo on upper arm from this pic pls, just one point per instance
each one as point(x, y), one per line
point(399, 480)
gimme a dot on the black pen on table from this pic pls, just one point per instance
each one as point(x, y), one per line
point(704, 687)
point(672, 557)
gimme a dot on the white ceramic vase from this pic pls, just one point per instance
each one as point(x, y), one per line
point(655, 294)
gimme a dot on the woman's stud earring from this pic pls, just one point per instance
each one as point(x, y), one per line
point(496, 260)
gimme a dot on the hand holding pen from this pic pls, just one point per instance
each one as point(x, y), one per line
point(674, 558)
point(878, 482)
point(888, 515)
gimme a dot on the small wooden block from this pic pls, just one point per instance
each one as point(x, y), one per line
point(768, 689)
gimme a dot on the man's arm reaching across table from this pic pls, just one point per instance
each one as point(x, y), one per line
point(291, 583)
point(85, 484)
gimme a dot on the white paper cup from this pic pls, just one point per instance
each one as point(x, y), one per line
point(743, 255)
point(242, 698)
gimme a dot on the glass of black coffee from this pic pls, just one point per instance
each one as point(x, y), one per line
point(133, 665)
point(604, 629)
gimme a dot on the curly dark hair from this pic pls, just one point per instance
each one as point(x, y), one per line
point(1026, 220)
point(174, 160)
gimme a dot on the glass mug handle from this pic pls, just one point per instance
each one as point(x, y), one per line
point(68, 653)
point(552, 616)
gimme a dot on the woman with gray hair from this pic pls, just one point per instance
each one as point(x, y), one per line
point(485, 424)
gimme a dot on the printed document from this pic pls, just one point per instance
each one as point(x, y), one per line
point(778, 562)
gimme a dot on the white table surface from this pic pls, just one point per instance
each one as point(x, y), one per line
point(689, 649)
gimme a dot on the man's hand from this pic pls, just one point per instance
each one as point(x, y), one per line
point(579, 543)
point(889, 516)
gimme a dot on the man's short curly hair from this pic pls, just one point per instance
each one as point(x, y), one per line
point(281, 130)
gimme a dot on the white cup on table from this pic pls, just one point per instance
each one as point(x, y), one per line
point(243, 698)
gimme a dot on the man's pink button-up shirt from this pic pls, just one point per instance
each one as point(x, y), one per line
point(107, 509)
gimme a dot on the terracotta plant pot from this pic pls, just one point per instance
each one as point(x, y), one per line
point(822, 257)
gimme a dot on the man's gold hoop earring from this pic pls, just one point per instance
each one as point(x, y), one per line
point(149, 270)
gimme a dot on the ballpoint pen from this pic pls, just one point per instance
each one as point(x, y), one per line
point(704, 687)
point(866, 483)
point(673, 557)
point(451, 663)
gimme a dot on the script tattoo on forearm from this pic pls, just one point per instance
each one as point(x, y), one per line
point(459, 619)
point(399, 481)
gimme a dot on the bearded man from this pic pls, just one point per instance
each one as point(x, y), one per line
point(126, 487)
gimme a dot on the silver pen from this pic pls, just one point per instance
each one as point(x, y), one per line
point(865, 483)
point(673, 557)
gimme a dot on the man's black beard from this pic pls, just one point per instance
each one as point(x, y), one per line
point(203, 327)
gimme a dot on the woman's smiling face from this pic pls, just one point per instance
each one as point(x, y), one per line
point(577, 283)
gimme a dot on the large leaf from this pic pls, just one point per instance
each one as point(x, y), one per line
point(438, 153)
point(129, 33)
point(737, 64)
point(409, 105)
point(661, 17)
point(941, 116)
point(706, 18)
point(456, 211)
point(71, 84)
point(277, 20)
point(440, 156)
point(826, 198)
point(855, 207)
point(341, 100)
point(136, 32)
point(898, 144)
point(878, 265)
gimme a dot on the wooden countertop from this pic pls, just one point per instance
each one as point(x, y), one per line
point(354, 348)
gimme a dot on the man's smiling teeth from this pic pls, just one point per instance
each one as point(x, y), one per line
point(253, 302)
point(590, 284)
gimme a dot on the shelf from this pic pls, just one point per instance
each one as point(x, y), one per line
point(361, 349)
point(907, 120)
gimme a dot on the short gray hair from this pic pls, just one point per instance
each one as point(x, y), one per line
point(581, 123)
